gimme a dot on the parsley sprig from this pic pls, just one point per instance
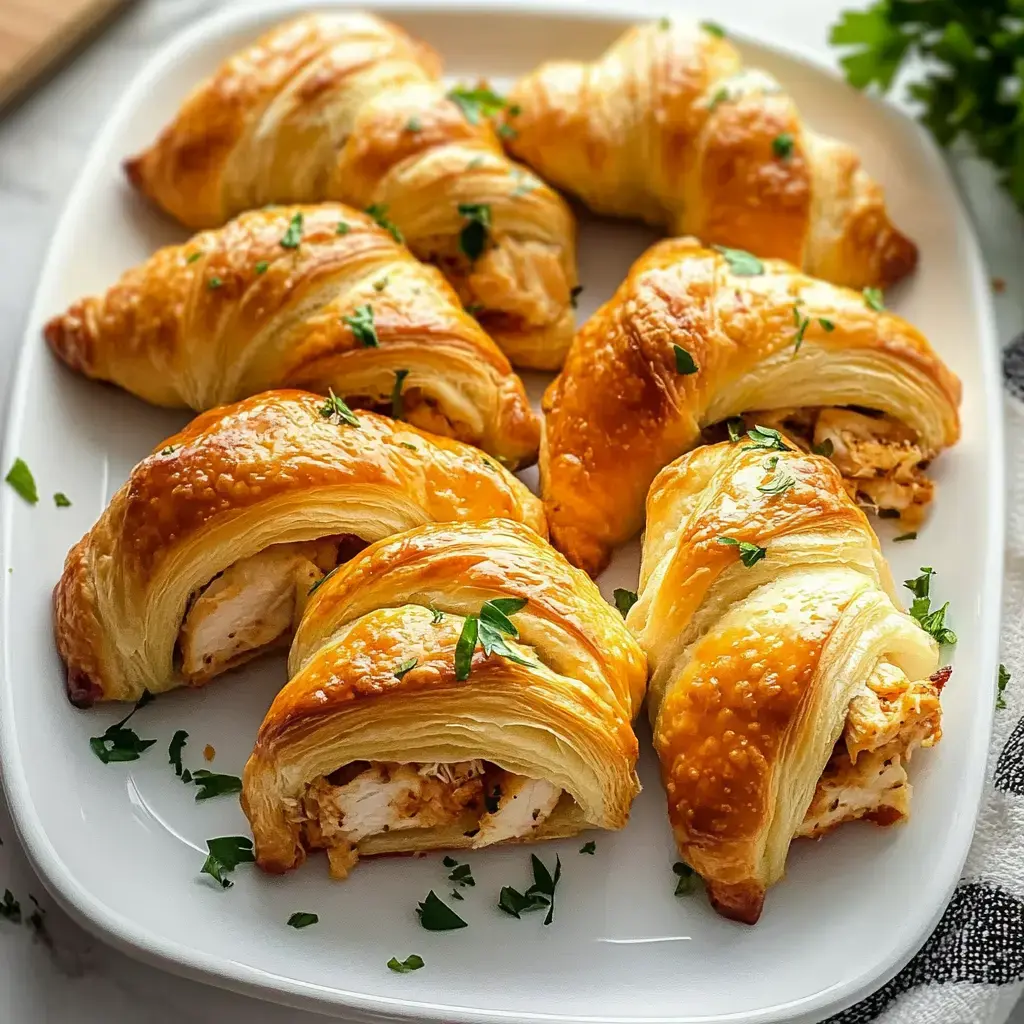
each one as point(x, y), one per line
point(120, 744)
point(225, 854)
point(363, 328)
point(764, 437)
point(337, 411)
point(473, 237)
point(750, 554)
point(932, 622)
point(541, 894)
point(489, 628)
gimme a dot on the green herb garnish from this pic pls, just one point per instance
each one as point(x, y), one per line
point(174, 749)
point(20, 477)
point(624, 600)
point(436, 615)
point(473, 237)
point(397, 402)
point(334, 407)
point(826, 448)
point(293, 236)
point(262, 266)
point(782, 145)
point(119, 743)
point(343, 228)
point(226, 853)
point(735, 428)
point(10, 909)
point(932, 622)
point(413, 962)
point(713, 28)
point(749, 553)
point(766, 438)
point(826, 325)
point(514, 903)
point(211, 784)
point(741, 263)
point(436, 916)
point(379, 213)
point(477, 103)
point(362, 325)
point(61, 500)
point(905, 536)
point(684, 361)
point(590, 847)
point(489, 628)
point(1001, 684)
point(462, 875)
point(302, 919)
point(406, 666)
point(874, 300)
point(213, 283)
point(687, 879)
point(320, 582)
point(193, 256)
point(414, 124)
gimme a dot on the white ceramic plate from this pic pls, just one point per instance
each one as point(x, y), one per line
point(121, 845)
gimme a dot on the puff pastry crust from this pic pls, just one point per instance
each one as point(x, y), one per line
point(374, 706)
point(624, 405)
point(785, 695)
point(206, 555)
point(345, 106)
point(258, 305)
point(668, 126)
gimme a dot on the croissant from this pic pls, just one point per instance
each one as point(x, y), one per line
point(347, 107)
point(206, 556)
point(694, 337)
point(788, 690)
point(455, 686)
point(669, 127)
point(315, 297)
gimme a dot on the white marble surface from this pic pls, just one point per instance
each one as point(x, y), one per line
point(73, 977)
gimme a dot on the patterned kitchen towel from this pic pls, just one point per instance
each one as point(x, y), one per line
point(971, 969)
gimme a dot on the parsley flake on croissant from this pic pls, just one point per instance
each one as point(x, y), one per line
point(668, 126)
point(344, 106)
point(788, 691)
point(456, 686)
point(313, 297)
point(206, 557)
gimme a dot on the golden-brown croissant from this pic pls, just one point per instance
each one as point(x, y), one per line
point(668, 126)
point(455, 686)
point(788, 690)
point(694, 337)
point(315, 297)
point(206, 556)
point(344, 106)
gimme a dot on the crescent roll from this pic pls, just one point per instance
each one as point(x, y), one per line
point(788, 689)
point(206, 556)
point(315, 297)
point(668, 126)
point(344, 106)
point(695, 337)
point(455, 686)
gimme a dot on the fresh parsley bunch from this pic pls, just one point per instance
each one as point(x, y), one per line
point(973, 54)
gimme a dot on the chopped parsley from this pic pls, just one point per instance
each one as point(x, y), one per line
point(414, 124)
point(574, 295)
point(119, 743)
point(436, 615)
point(735, 428)
point(226, 853)
point(590, 847)
point(766, 438)
point(874, 300)
point(10, 909)
point(713, 29)
point(174, 749)
point(413, 962)
point(624, 600)
point(213, 283)
point(406, 666)
point(20, 477)
point(397, 403)
point(782, 145)
point(320, 582)
point(686, 878)
point(334, 406)
point(749, 553)
point(462, 874)
point(379, 213)
point(193, 256)
point(741, 263)
point(905, 536)
point(343, 228)
point(302, 919)
point(61, 500)
point(826, 448)
point(684, 361)
point(489, 628)
point(473, 237)
point(411, 447)
point(293, 236)
point(477, 103)
point(782, 481)
point(826, 325)
point(211, 784)
point(801, 323)
point(515, 903)
point(932, 622)
point(456, 895)
point(262, 266)
point(1001, 684)
point(719, 96)
point(664, 24)
point(362, 325)
point(380, 284)
point(436, 916)
point(541, 894)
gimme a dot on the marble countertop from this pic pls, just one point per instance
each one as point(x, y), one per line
point(63, 974)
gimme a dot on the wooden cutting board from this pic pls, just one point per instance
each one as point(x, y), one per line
point(34, 34)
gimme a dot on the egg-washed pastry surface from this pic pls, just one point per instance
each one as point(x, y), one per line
point(668, 126)
point(696, 337)
point(206, 557)
point(315, 297)
point(456, 686)
point(788, 689)
point(344, 106)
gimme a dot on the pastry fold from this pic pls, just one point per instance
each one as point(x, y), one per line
point(314, 297)
point(688, 342)
point(380, 744)
point(668, 126)
point(206, 556)
point(788, 690)
point(344, 106)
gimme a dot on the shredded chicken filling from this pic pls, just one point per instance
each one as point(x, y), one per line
point(866, 775)
point(254, 605)
point(882, 462)
point(370, 798)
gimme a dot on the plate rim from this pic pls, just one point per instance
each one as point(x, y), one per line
point(140, 943)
